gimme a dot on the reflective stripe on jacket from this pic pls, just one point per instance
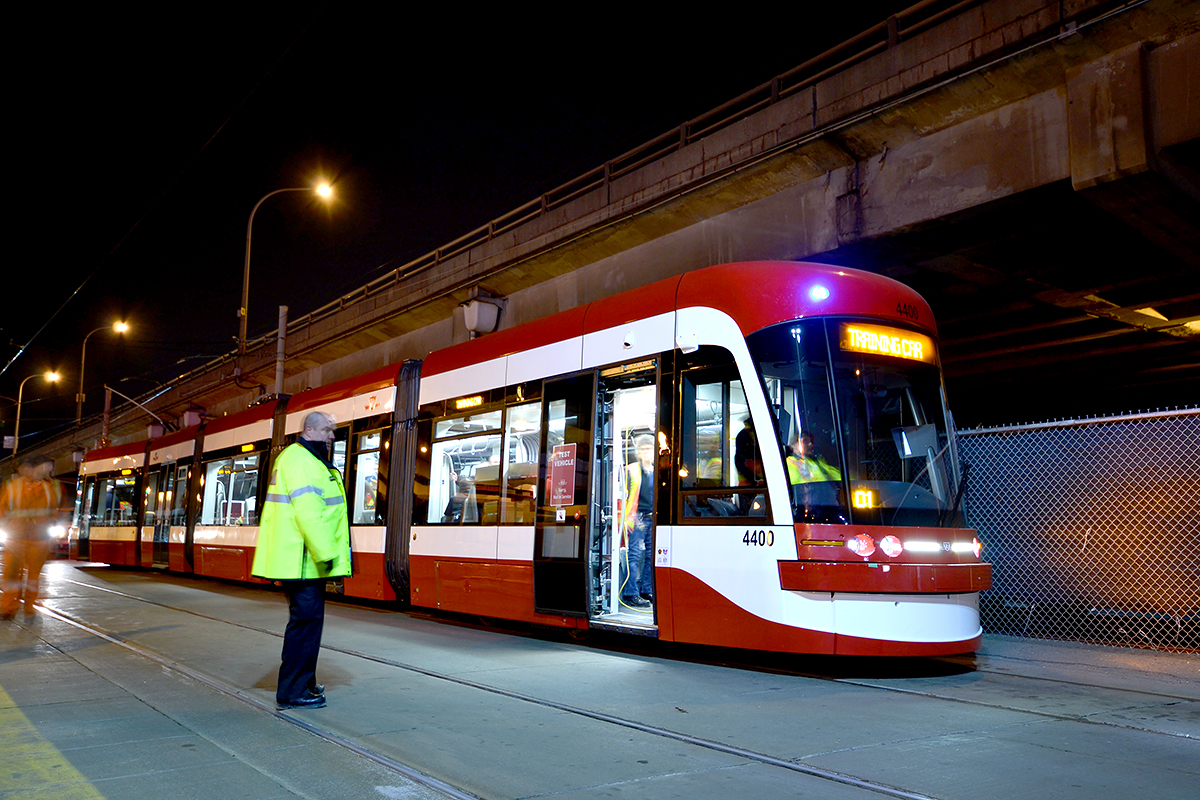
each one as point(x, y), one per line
point(304, 521)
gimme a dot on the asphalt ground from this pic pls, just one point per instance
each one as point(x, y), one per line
point(132, 684)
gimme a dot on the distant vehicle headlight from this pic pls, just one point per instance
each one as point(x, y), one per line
point(58, 531)
point(3, 536)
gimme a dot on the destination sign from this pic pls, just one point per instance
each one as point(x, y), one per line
point(468, 402)
point(885, 341)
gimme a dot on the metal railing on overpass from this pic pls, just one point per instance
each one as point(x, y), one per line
point(900, 27)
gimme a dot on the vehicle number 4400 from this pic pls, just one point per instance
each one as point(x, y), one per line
point(759, 538)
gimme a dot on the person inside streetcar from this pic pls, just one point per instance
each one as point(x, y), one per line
point(806, 465)
point(638, 590)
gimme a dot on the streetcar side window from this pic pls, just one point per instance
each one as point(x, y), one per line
point(368, 449)
point(114, 502)
point(721, 473)
point(179, 500)
point(85, 505)
point(464, 468)
point(150, 501)
point(522, 446)
point(229, 491)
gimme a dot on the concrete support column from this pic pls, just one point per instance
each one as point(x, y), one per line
point(1124, 111)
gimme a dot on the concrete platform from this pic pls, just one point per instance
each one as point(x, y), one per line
point(135, 684)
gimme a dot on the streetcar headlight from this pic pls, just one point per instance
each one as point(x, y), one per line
point(861, 545)
point(891, 546)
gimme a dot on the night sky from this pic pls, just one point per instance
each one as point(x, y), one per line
point(144, 142)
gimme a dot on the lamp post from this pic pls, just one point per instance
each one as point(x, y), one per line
point(51, 377)
point(323, 191)
point(116, 327)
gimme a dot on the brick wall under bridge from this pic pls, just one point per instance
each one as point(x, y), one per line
point(1092, 527)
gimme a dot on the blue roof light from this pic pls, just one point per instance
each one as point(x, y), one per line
point(818, 293)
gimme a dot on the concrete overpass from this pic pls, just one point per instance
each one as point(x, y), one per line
point(1030, 166)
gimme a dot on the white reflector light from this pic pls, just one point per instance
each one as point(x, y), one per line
point(861, 545)
point(891, 546)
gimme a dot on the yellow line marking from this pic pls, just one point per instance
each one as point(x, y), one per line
point(30, 766)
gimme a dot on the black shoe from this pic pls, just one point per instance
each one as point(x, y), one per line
point(634, 602)
point(649, 598)
point(317, 701)
point(317, 690)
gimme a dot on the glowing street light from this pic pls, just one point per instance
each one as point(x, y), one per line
point(49, 376)
point(324, 191)
point(116, 327)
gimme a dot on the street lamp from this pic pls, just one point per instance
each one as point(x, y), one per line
point(323, 191)
point(51, 377)
point(116, 327)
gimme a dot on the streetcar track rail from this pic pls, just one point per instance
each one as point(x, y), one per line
point(417, 775)
point(861, 682)
point(666, 733)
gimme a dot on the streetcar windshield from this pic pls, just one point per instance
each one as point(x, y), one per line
point(860, 412)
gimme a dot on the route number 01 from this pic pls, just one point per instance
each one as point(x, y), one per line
point(759, 538)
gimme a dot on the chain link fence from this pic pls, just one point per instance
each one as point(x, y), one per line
point(1092, 528)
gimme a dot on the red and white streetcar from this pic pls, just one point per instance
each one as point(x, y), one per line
point(806, 493)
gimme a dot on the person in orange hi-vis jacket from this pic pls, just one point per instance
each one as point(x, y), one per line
point(29, 505)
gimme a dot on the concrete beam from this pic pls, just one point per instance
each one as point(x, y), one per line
point(1105, 120)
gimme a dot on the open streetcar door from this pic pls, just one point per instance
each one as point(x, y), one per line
point(621, 544)
point(564, 508)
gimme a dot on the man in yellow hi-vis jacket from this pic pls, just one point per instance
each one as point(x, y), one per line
point(806, 465)
point(303, 540)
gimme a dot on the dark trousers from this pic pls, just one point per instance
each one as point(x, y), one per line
point(302, 639)
point(640, 554)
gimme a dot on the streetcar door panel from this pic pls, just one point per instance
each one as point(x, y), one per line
point(621, 542)
point(563, 511)
point(149, 513)
point(162, 501)
point(87, 512)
